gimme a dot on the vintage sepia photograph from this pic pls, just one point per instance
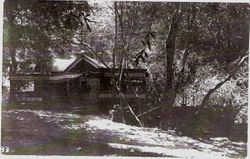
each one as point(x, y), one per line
point(125, 79)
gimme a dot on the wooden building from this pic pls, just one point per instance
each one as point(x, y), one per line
point(85, 80)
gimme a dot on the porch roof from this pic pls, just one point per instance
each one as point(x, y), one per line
point(41, 77)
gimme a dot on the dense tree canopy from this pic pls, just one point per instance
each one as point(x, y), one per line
point(194, 52)
point(185, 46)
point(34, 28)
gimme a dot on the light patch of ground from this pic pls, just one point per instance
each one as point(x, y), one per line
point(120, 136)
point(161, 142)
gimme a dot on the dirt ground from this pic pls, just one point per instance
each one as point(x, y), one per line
point(40, 132)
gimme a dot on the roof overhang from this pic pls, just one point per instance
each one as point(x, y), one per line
point(30, 77)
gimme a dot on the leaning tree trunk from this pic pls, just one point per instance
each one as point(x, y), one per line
point(211, 91)
point(170, 94)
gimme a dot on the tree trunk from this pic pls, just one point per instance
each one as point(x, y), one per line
point(12, 51)
point(211, 91)
point(115, 47)
point(170, 93)
point(119, 16)
point(13, 67)
point(170, 51)
point(114, 58)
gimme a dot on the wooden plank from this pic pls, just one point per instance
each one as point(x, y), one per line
point(28, 77)
point(65, 76)
point(45, 77)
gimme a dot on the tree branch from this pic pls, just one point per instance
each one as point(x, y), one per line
point(211, 91)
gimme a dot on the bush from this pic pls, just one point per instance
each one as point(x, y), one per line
point(213, 120)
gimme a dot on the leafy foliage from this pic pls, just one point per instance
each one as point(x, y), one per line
point(38, 27)
point(210, 39)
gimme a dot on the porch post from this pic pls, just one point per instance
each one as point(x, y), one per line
point(67, 87)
